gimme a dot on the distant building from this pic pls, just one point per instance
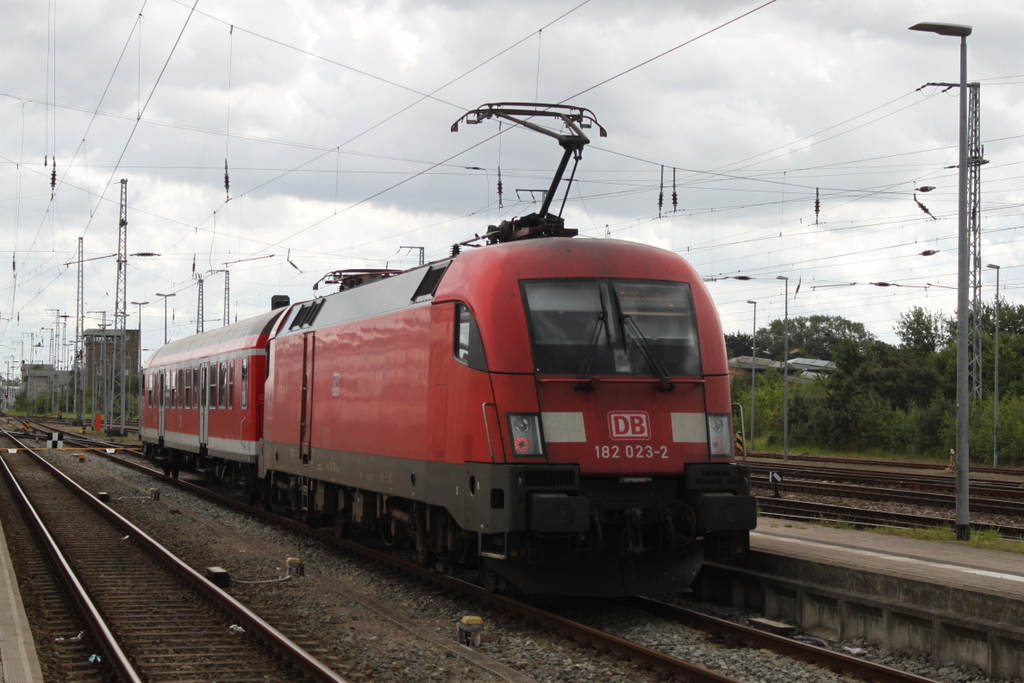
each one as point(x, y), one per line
point(99, 356)
point(43, 380)
point(800, 369)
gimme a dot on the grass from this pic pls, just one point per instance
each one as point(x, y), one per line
point(871, 454)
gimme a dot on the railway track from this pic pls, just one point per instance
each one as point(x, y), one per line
point(995, 506)
point(805, 511)
point(870, 462)
point(595, 638)
point(145, 615)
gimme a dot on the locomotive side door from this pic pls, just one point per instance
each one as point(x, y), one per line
point(204, 403)
point(306, 400)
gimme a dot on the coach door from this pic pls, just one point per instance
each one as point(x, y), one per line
point(204, 404)
point(306, 410)
point(160, 410)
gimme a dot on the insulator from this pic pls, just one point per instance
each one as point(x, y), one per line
point(227, 180)
point(661, 191)
point(500, 189)
point(53, 177)
point(455, 250)
point(675, 195)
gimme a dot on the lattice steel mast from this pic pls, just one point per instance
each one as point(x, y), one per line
point(79, 341)
point(118, 403)
point(199, 315)
point(975, 160)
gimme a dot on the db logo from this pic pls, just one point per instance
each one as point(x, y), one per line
point(633, 424)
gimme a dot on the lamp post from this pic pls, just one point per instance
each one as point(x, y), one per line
point(140, 304)
point(753, 373)
point(166, 297)
point(995, 381)
point(785, 373)
point(963, 453)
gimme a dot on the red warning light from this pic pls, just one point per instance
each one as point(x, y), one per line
point(522, 444)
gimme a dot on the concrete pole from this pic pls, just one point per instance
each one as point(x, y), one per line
point(753, 374)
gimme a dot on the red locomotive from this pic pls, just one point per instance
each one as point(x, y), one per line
point(553, 410)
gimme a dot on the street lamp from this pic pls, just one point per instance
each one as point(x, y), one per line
point(785, 374)
point(963, 453)
point(140, 304)
point(166, 296)
point(753, 375)
point(995, 381)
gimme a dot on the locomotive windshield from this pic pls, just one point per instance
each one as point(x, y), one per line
point(593, 327)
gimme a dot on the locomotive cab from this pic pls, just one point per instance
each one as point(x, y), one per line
point(618, 473)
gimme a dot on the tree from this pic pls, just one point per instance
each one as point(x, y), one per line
point(815, 336)
point(738, 344)
point(920, 331)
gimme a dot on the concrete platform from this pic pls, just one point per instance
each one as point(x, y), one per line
point(949, 564)
point(952, 602)
point(18, 660)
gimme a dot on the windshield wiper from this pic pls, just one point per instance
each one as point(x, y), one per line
point(589, 359)
point(643, 345)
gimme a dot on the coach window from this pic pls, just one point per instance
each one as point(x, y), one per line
point(212, 386)
point(244, 398)
point(469, 349)
point(195, 388)
point(163, 389)
point(147, 383)
point(222, 385)
point(231, 385)
point(170, 390)
point(180, 382)
point(188, 387)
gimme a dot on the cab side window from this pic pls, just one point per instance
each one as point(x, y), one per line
point(468, 347)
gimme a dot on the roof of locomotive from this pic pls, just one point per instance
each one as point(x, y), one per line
point(487, 279)
point(394, 293)
point(554, 257)
point(472, 270)
point(241, 335)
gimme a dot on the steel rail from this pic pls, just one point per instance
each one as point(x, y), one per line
point(823, 657)
point(288, 649)
point(111, 648)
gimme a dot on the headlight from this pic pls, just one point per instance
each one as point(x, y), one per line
point(524, 430)
point(719, 434)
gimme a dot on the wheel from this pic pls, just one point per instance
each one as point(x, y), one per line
point(342, 527)
point(490, 580)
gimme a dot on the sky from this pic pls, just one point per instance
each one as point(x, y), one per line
point(331, 124)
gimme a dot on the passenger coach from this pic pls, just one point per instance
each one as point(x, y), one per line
point(202, 400)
